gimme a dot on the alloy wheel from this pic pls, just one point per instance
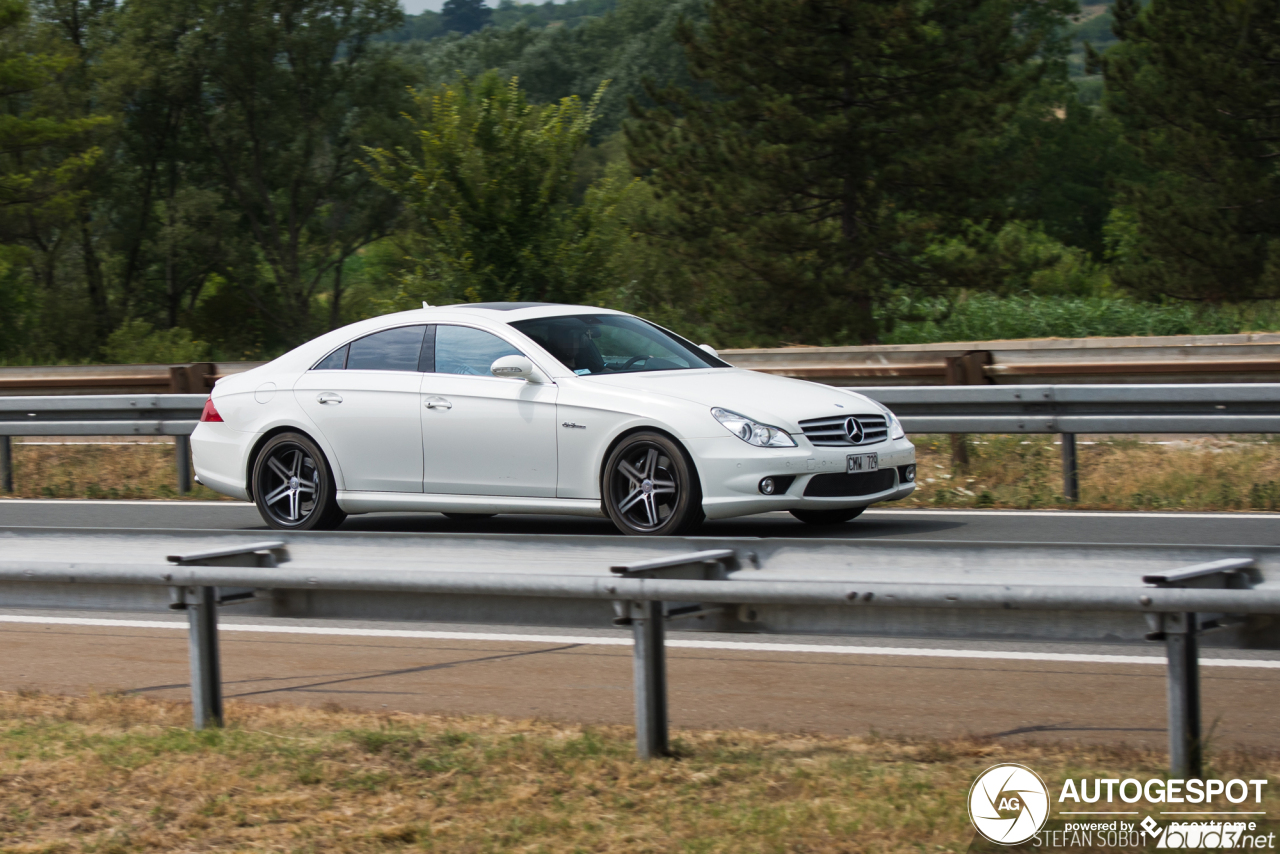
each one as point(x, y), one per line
point(288, 481)
point(645, 486)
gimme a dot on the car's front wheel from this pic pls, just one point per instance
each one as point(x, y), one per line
point(650, 487)
point(293, 486)
point(827, 517)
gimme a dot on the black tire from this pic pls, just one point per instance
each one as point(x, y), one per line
point(293, 485)
point(650, 487)
point(469, 517)
point(827, 517)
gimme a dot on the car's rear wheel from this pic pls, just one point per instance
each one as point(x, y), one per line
point(294, 487)
point(827, 517)
point(650, 487)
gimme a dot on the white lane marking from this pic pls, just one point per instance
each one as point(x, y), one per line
point(748, 646)
point(1104, 514)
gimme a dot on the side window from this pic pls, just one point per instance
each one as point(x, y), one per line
point(335, 361)
point(463, 350)
point(396, 349)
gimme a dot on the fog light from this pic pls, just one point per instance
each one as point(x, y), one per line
point(767, 486)
point(909, 473)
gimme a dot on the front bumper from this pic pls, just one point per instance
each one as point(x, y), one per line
point(731, 470)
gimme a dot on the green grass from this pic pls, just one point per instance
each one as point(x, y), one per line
point(116, 774)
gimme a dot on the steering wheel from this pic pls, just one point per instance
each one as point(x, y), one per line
point(635, 359)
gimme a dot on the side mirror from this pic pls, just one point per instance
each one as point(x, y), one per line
point(709, 349)
point(515, 367)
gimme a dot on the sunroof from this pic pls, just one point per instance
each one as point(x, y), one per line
point(502, 306)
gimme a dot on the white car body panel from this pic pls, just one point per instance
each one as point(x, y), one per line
point(497, 436)
point(375, 502)
point(503, 445)
point(374, 425)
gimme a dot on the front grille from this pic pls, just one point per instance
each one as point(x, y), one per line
point(849, 485)
point(830, 432)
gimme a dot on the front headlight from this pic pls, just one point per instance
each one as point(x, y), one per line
point(891, 421)
point(753, 432)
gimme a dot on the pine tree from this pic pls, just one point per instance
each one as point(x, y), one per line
point(847, 135)
point(464, 16)
point(1195, 83)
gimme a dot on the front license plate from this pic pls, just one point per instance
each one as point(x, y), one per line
point(863, 462)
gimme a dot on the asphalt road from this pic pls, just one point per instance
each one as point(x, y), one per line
point(849, 688)
point(1008, 691)
point(988, 526)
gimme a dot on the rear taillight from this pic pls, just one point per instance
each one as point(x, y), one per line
point(210, 413)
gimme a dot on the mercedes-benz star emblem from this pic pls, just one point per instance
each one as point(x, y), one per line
point(853, 429)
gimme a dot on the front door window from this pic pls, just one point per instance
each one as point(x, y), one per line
point(481, 434)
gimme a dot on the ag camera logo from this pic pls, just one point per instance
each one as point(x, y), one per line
point(1008, 803)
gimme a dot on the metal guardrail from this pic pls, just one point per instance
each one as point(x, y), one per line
point(101, 415)
point(1178, 602)
point(1172, 408)
point(1176, 358)
point(190, 378)
point(1063, 409)
point(1069, 410)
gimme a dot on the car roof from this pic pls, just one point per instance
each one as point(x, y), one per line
point(507, 312)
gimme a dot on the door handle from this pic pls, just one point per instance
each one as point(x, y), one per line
point(438, 403)
point(328, 398)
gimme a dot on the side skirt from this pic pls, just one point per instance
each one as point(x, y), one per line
point(411, 502)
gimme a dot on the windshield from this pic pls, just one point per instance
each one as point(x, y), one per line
point(614, 344)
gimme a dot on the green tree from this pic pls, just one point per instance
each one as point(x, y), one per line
point(623, 45)
point(848, 135)
point(48, 148)
point(1194, 83)
point(489, 186)
point(1068, 158)
point(171, 225)
point(289, 92)
point(464, 16)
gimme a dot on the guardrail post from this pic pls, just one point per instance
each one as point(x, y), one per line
point(183, 453)
point(1070, 468)
point(647, 621)
point(201, 604)
point(650, 674)
point(1185, 755)
point(1178, 630)
point(6, 464)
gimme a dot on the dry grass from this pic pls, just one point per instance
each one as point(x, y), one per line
point(145, 470)
point(116, 775)
point(1116, 473)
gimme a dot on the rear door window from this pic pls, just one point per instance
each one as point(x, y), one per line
point(335, 361)
point(398, 349)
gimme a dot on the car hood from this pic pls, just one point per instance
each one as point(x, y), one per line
point(780, 401)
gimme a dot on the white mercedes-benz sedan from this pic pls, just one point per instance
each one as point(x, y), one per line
point(473, 410)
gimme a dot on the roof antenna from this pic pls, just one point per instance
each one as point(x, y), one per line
point(425, 305)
